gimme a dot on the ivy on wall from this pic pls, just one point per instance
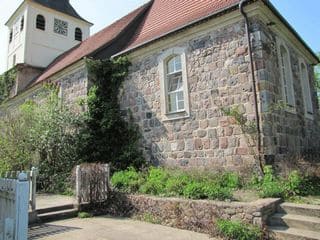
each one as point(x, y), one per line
point(108, 136)
point(7, 81)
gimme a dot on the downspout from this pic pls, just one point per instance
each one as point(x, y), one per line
point(259, 145)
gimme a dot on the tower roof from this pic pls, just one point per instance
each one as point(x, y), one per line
point(63, 6)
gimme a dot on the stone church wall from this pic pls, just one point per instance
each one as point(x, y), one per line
point(287, 135)
point(218, 77)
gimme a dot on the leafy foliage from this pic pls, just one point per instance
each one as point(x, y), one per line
point(238, 230)
point(164, 182)
point(108, 137)
point(44, 134)
point(272, 186)
point(7, 80)
point(128, 181)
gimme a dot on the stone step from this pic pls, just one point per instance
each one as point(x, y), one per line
point(300, 209)
point(58, 215)
point(55, 209)
point(295, 221)
point(284, 233)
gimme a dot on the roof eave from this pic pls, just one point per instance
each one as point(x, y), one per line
point(213, 15)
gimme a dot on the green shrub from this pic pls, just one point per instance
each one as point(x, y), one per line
point(195, 190)
point(214, 191)
point(293, 184)
point(238, 230)
point(127, 181)
point(155, 181)
point(229, 180)
point(176, 184)
point(270, 186)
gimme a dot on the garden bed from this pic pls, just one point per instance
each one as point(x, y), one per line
point(196, 215)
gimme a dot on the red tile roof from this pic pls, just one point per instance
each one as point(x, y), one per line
point(166, 16)
point(89, 45)
point(163, 17)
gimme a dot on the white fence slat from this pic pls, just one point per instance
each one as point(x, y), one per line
point(14, 197)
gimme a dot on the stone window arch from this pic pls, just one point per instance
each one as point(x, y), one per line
point(78, 34)
point(286, 75)
point(41, 22)
point(305, 84)
point(174, 84)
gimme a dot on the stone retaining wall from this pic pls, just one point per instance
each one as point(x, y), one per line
point(195, 215)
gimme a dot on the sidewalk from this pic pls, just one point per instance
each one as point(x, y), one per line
point(105, 228)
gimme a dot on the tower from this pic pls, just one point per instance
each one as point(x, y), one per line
point(41, 30)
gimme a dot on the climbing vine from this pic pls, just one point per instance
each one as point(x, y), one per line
point(108, 136)
point(7, 80)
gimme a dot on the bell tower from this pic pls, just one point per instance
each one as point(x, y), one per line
point(41, 30)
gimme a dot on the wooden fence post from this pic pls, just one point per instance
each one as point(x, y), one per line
point(78, 185)
point(22, 200)
point(33, 187)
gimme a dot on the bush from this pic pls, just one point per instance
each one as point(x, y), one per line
point(156, 181)
point(272, 186)
point(229, 180)
point(238, 230)
point(176, 184)
point(164, 182)
point(127, 181)
point(195, 190)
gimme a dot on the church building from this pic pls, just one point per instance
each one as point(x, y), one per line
point(190, 60)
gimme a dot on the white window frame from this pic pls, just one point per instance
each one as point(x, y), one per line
point(290, 108)
point(163, 59)
point(306, 91)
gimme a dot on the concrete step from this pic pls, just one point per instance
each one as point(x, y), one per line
point(58, 215)
point(295, 221)
point(300, 209)
point(55, 209)
point(284, 233)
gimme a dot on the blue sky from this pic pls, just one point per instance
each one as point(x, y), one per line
point(302, 15)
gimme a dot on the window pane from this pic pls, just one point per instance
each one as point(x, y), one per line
point(306, 89)
point(174, 64)
point(181, 105)
point(174, 82)
point(286, 76)
point(172, 102)
point(180, 96)
point(178, 63)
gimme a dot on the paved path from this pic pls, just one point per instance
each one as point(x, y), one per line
point(105, 228)
point(52, 200)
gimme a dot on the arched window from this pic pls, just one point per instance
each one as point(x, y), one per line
point(286, 76)
point(78, 34)
point(22, 23)
point(174, 84)
point(304, 77)
point(10, 35)
point(41, 22)
point(174, 97)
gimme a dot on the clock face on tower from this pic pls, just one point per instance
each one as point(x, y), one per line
point(60, 27)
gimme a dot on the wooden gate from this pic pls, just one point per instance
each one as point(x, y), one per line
point(14, 196)
point(92, 183)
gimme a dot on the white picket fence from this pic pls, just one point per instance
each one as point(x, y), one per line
point(14, 198)
point(32, 179)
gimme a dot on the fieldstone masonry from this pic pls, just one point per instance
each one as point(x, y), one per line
point(218, 76)
point(195, 215)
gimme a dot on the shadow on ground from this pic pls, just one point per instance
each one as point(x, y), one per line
point(45, 230)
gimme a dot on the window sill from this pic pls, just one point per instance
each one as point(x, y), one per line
point(309, 116)
point(290, 110)
point(175, 116)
